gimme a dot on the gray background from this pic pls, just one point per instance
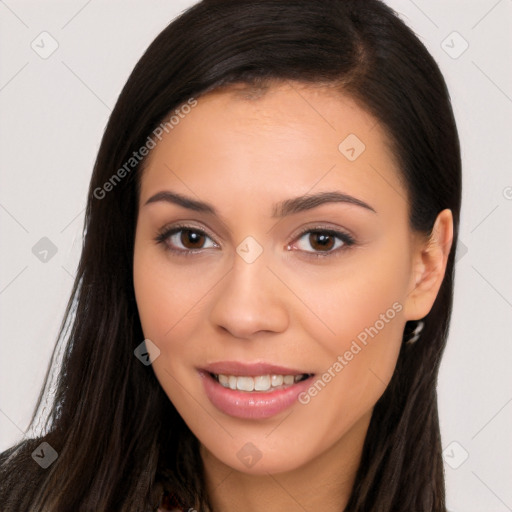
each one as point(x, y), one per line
point(52, 114)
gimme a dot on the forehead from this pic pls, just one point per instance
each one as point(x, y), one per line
point(285, 139)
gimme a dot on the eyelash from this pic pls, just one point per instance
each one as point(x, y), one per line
point(347, 240)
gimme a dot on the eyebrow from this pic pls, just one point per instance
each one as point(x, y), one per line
point(282, 209)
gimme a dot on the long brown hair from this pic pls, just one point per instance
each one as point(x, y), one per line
point(119, 440)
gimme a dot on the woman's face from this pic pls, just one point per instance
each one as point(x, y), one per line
point(272, 246)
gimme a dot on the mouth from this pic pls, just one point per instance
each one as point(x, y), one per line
point(253, 391)
point(259, 383)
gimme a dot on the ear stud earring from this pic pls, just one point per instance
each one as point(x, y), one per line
point(416, 333)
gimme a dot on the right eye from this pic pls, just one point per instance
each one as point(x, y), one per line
point(186, 240)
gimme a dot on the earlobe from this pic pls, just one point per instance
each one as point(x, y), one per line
point(429, 266)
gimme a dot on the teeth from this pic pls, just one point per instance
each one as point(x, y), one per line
point(258, 383)
point(245, 383)
point(262, 383)
point(277, 380)
point(289, 379)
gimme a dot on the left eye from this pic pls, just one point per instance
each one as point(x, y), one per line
point(323, 241)
point(187, 239)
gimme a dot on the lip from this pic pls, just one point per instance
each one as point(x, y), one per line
point(250, 369)
point(254, 404)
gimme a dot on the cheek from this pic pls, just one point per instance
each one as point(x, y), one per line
point(166, 294)
point(167, 299)
point(172, 300)
point(357, 325)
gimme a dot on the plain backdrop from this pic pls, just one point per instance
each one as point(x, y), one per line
point(53, 110)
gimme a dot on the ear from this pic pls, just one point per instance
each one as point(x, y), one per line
point(429, 265)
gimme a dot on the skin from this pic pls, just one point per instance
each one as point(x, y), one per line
point(243, 154)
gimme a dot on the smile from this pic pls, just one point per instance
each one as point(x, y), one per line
point(252, 390)
point(264, 383)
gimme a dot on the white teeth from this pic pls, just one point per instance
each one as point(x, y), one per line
point(277, 380)
point(258, 383)
point(262, 383)
point(245, 383)
point(289, 379)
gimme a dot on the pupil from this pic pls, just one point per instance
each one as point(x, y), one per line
point(321, 241)
point(193, 238)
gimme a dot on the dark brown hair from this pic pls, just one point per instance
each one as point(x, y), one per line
point(119, 439)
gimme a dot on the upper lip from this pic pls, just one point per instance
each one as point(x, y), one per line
point(239, 368)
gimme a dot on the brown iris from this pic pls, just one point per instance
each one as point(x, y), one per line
point(321, 241)
point(192, 239)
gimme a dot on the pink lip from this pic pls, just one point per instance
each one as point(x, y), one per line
point(250, 369)
point(256, 404)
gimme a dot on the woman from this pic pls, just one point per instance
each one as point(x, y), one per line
point(266, 281)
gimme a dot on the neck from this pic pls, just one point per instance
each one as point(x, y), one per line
point(322, 483)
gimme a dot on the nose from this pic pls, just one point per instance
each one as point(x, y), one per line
point(249, 301)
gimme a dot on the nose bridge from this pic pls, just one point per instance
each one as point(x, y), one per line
point(248, 302)
point(249, 274)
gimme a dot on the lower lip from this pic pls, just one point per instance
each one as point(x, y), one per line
point(254, 404)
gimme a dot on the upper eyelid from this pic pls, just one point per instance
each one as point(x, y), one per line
point(323, 228)
point(174, 228)
point(317, 227)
